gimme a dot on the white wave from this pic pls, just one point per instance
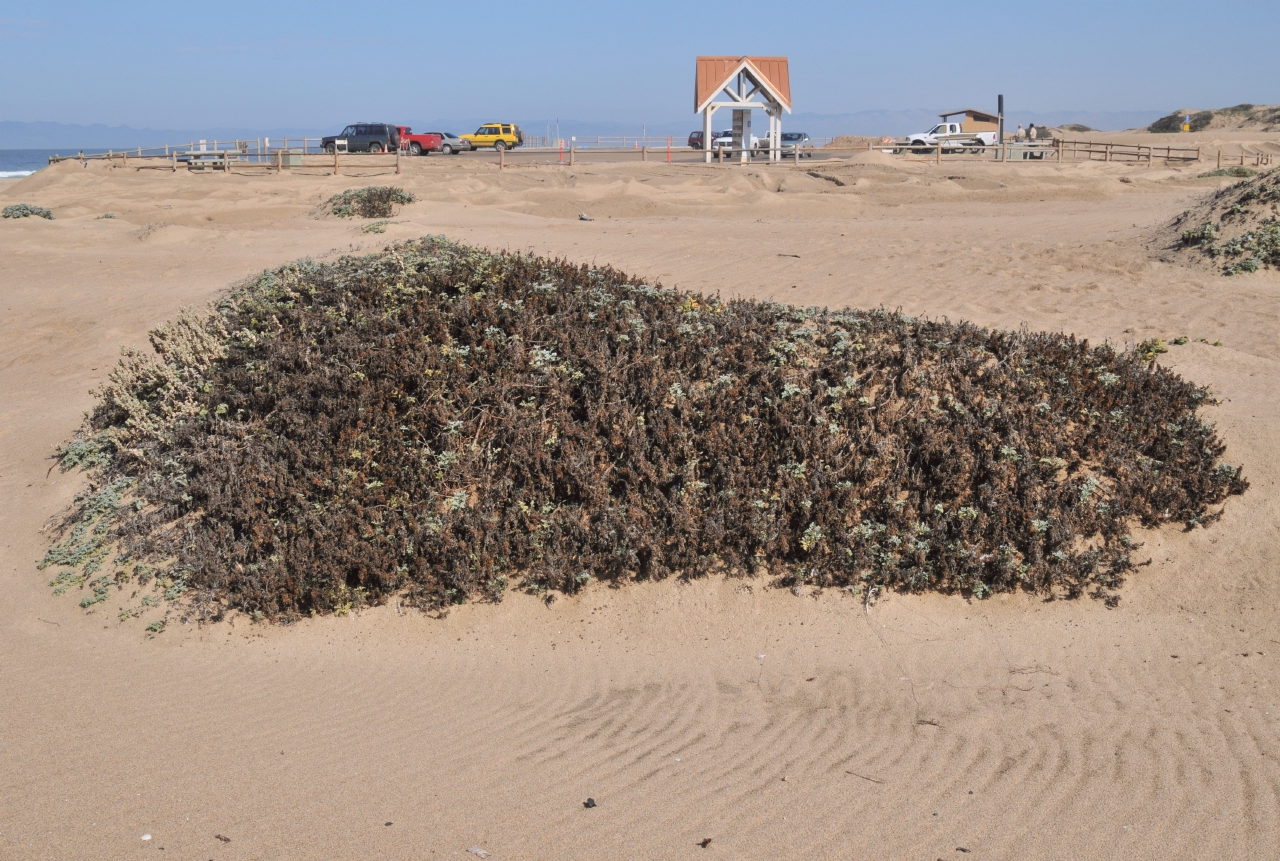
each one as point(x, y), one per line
point(6, 174)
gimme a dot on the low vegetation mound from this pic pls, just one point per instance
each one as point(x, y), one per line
point(1238, 226)
point(25, 210)
point(440, 423)
point(372, 201)
point(1245, 116)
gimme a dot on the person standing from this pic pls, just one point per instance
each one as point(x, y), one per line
point(1021, 134)
point(1031, 133)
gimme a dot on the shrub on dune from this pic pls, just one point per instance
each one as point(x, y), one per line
point(25, 210)
point(1245, 216)
point(372, 201)
point(437, 422)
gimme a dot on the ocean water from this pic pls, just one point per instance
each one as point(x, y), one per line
point(24, 162)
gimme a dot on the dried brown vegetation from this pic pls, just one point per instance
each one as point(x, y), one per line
point(437, 422)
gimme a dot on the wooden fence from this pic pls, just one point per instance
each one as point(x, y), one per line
point(291, 153)
point(1098, 151)
point(231, 160)
point(257, 149)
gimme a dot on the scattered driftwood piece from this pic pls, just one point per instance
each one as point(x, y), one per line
point(863, 776)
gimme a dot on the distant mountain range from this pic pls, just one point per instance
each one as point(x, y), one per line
point(72, 137)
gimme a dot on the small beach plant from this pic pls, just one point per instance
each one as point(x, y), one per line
point(372, 201)
point(25, 210)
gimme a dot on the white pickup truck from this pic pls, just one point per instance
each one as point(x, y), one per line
point(725, 140)
point(952, 137)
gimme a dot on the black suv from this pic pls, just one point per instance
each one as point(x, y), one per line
point(365, 137)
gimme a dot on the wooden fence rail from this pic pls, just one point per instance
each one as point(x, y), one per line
point(228, 160)
point(262, 149)
point(305, 153)
point(1105, 151)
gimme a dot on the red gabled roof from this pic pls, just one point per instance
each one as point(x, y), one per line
point(714, 73)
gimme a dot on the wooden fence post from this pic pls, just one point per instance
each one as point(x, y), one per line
point(939, 161)
point(279, 161)
point(573, 151)
point(502, 157)
point(397, 161)
point(335, 159)
point(644, 153)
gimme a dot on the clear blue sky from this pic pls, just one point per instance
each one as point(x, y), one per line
point(283, 64)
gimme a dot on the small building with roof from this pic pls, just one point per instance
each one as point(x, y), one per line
point(974, 120)
point(743, 84)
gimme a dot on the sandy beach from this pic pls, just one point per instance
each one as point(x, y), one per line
point(778, 726)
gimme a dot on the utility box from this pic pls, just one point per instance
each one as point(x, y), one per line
point(291, 159)
point(742, 133)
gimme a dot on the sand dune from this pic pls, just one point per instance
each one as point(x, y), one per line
point(778, 726)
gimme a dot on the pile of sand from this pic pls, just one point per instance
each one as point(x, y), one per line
point(1239, 226)
point(852, 142)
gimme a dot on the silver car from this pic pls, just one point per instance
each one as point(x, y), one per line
point(451, 144)
point(792, 141)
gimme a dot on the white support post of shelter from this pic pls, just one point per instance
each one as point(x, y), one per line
point(706, 132)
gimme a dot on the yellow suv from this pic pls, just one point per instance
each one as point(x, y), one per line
point(496, 135)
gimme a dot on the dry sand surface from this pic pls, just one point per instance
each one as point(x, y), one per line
point(808, 727)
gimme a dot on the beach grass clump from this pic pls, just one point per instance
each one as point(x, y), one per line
point(442, 423)
point(25, 210)
point(1238, 226)
point(372, 201)
point(1237, 172)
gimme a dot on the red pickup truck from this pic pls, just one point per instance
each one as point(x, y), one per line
point(418, 144)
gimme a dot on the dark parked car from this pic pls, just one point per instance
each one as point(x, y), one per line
point(365, 137)
point(451, 144)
